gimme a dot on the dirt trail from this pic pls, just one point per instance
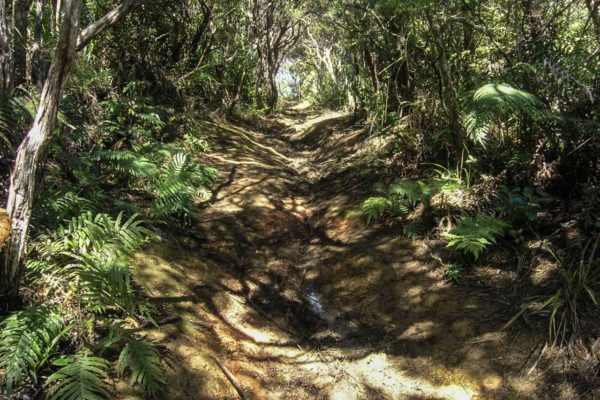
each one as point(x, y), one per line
point(300, 301)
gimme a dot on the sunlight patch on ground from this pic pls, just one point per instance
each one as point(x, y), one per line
point(376, 376)
point(306, 126)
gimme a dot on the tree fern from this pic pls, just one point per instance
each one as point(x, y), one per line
point(81, 377)
point(497, 102)
point(142, 359)
point(27, 339)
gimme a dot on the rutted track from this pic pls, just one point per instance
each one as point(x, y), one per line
point(302, 303)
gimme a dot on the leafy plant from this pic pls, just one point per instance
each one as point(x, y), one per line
point(87, 256)
point(577, 294)
point(453, 271)
point(472, 235)
point(374, 208)
point(143, 360)
point(522, 205)
point(27, 339)
point(81, 377)
point(494, 103)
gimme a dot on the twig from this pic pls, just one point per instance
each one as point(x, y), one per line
point(168, 320)
point(231, 378)
point(539, 357)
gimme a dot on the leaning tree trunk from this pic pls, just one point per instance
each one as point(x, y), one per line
point(19, 31)
point(6, 54)
point(32, 150)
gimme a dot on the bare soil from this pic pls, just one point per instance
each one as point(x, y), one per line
point(283, 283)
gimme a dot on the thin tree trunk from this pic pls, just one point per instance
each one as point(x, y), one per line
point(37, 75)
point(593, 7)
point(111, 18)
point(6, 54)
point(450, 96)
point(20, 38)
point(32, 151)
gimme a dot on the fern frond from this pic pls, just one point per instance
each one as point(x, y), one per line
point(89, 232)
point(497, 102)
point(127, 162)
point(81, 377)
point(473, 235)
point(374, 208)
point(105, 283)
point(26, 340)
point(143, 360)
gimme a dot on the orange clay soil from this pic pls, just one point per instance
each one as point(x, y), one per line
point(300, 300)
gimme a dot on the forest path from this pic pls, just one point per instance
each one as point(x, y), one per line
point(301, 301)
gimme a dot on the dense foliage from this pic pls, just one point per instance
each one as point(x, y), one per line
point(492, 106)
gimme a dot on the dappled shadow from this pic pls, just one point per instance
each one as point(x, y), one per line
point(303, 301)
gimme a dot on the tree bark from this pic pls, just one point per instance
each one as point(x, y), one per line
point(20, 38)
point(6, 53)
point(32, 151)
point(450, 96)
point(37, 74)
point(111, 18)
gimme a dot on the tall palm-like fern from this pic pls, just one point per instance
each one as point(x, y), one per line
point(27, 339)
point(494, 103)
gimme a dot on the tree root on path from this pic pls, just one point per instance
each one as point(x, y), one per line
point(231, 378)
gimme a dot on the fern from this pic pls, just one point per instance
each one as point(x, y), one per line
point(497, 102)
point(374, 208)
point(473, 235)
point(81, 377)
point(89, 232)
point(409, 190)
point(143, 360)
point(105, 283)
point(28, 337)
point(174, 179)
point(87, 257)
point(128, 162)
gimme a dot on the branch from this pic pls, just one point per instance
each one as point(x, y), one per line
point(111, 18)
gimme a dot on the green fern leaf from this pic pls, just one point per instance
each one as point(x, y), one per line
point(26, 340)
point(81, 378)
point(143, 360)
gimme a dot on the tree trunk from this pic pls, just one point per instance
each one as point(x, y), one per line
point(593, 7)
point(32, 150)
point(273, 91)
point(19, 33)
point(6, 54)
point(450, 96)
point(111, 18)
point(37, 74)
